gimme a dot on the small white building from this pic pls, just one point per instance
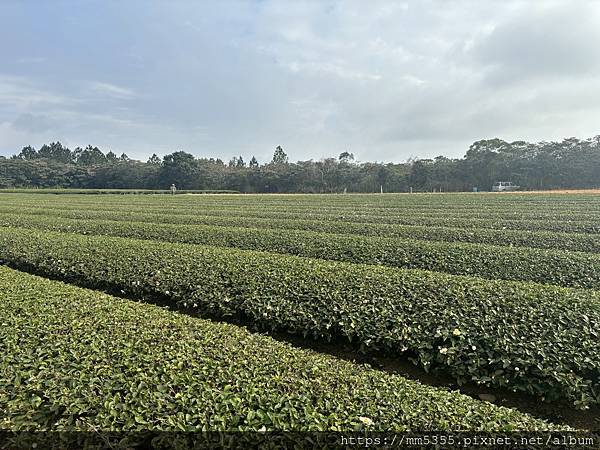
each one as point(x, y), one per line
point(503, 186)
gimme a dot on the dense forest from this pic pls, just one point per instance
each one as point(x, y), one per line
point(572, 163)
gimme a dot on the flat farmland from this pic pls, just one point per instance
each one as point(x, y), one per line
point(176, 312)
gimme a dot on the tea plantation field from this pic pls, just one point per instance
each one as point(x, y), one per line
point(133, 312)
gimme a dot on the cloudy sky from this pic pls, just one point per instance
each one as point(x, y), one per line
point(384, 80)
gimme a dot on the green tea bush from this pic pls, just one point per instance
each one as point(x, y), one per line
point(570, 269)
point(586, 242)
point(414, 218)
point(538, 339)
point(74, 359)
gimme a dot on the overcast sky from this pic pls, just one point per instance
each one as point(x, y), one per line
point(384, 80)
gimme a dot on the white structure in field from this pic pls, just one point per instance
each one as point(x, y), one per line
point(502, 186)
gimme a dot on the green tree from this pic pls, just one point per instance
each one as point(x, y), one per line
point(28, 153)
point(91, 156)
point(154, 160)
point(346, 157)
point(279, 156)
point(179, 168)
point(56, 152)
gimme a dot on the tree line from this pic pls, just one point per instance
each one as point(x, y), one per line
point(569, 164)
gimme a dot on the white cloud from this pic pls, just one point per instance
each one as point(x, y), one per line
point(20, 94)
point(111, 90)
point(541, 41)
point(385, 80)
point(411, 79)
point(328, 68)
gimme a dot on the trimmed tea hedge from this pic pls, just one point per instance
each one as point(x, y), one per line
point(542, 239)
point(570, 269)
point(538, 339)
point(74, 359)
point(244, 206)
point(364, 217)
